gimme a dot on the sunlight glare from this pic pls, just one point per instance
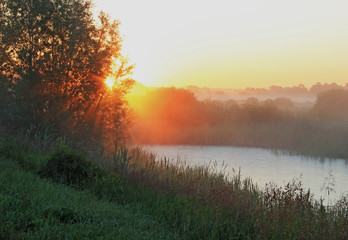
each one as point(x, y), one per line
point(233, 44)
point(110, 82)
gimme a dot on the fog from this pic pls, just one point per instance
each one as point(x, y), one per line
point(182, 116)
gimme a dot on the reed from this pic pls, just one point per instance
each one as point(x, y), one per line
point(287, 212)
point(187, 202)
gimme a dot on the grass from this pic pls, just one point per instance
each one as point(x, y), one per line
point(139, 197)
point(33, 208)
point(242, 211)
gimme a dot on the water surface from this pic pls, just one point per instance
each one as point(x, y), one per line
point(264, 166)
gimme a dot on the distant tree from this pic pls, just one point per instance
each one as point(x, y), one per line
point(332, 104)
point(172, 106)
point(285, 104)
point(54, 58)
point(319, 87)
point(251, 102)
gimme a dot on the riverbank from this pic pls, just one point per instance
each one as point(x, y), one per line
point(264, 166)
point(62, 195)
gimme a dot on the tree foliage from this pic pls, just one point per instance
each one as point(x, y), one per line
point(54, 58)
point(332, 104)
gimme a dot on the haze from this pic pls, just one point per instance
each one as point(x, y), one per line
point(234, 44)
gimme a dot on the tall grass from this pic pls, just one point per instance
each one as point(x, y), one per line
point(188, 202)
point(287, 212)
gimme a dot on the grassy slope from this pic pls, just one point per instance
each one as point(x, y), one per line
point(33, 208)
point(145, 199)
point(108, 208)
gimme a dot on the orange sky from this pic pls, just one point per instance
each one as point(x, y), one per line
point(234, 43)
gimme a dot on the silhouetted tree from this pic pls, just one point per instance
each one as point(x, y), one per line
point(54, 59)
point(332, 104)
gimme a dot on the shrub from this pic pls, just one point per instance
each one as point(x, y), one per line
point(70, 167)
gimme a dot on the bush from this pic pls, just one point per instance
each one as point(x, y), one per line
point(70, 167)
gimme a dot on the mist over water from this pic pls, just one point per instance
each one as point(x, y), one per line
point(264, 166)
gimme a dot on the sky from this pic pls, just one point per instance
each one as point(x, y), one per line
point(233, 43)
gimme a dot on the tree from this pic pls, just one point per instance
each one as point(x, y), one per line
point(332, 104)
point(54, 58)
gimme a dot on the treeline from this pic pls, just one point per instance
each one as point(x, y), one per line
point(175, 116)
point(300, 93)
point(54, 58)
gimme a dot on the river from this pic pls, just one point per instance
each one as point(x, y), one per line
point(264, 166)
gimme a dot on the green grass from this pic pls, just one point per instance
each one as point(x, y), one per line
point(34, 208)
point(63, 196)
point(237, 208)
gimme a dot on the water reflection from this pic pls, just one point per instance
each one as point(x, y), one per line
point(265, 166)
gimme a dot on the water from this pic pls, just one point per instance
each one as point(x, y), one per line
point(264, 166)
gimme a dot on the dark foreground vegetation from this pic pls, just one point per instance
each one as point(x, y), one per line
point(179, 118)
point(62, 195)
point(54, 59)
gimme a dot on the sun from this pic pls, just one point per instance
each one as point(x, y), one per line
point(110, 82)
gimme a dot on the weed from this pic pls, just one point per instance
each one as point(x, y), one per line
point(328, 186)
